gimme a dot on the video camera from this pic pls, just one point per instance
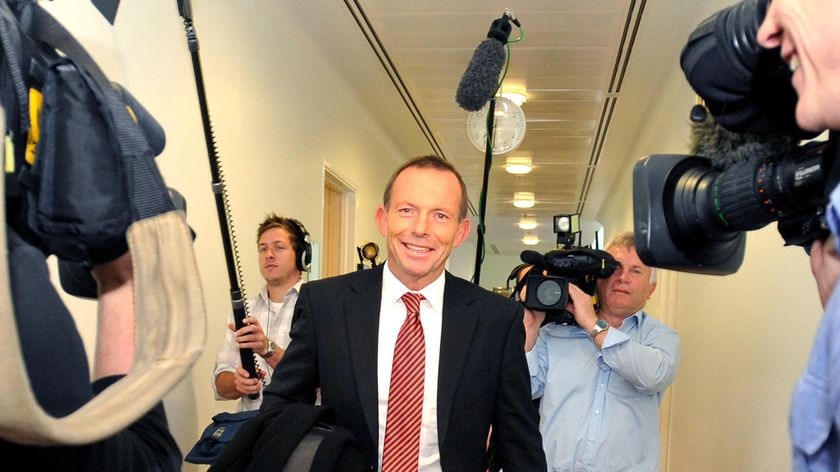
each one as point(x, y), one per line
point(547, 282)
point(691, 212)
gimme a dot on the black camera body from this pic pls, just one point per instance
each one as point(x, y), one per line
point(547, 282)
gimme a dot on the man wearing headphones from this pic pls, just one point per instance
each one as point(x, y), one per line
point(284, 253)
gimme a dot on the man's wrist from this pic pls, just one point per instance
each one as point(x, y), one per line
point(270, 349)
point(599, 327)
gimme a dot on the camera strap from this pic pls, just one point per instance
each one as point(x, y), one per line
point(520, 282)
point(170, 321)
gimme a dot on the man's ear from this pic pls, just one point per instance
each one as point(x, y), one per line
point(382, 220)
point(463, 231)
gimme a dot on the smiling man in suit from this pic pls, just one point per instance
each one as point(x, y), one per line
point(417, 363)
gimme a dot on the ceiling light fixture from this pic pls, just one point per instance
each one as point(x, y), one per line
point(527, 223)
point(523, 199)
point(530, 240)
point(518, 165)
point(516, 97)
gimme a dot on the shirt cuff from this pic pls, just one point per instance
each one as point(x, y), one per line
point(614, 337)
point(832, 214)
point(533, 360)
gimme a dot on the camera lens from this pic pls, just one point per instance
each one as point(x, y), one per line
point(708, 205)
point(549, 292)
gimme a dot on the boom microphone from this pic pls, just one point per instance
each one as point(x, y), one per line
point(481, 78)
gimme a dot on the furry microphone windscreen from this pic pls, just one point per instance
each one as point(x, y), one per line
point(725, 148)
point(481, 78)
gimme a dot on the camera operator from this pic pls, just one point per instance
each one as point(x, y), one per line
point(806, 34)
point(58, 367)
point(601, 381)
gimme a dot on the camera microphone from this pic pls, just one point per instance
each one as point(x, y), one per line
point(481, 78)
point(532, 257)
point(726, 148)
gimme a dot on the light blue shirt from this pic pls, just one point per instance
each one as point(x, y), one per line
point(815, 411)
point(600, 409)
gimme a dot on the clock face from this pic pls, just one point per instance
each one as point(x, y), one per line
point(508, 125)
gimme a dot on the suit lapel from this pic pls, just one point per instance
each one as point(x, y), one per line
point(459, 322)
point(361, 318)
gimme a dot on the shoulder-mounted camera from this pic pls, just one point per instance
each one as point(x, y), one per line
point(546, 278)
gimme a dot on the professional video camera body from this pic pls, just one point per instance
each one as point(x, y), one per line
point(547, 281)
point(691, 212)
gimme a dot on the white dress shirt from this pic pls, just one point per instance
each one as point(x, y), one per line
point(276, 321)
point(391, 317)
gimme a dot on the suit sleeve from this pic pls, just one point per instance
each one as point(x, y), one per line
point(516, 420)
point(295, 378)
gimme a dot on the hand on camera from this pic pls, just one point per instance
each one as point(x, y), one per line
point(580, 305)
point(533, 320)
point(825, 265)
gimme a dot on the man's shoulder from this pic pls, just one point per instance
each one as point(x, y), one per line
point(651, 323)
point(360, 278)
point(465, 288)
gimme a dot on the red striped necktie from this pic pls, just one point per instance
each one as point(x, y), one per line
point(405, 396)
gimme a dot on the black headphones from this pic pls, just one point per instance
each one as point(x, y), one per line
point(303, 250)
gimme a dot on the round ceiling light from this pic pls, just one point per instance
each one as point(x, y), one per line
point(523, 199)
point(516, 97)
point(527, 223)
point(530, 240)
point(518, 165)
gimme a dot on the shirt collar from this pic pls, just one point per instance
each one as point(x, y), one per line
point(635, 319)
point(294, 289)
point(393, 289)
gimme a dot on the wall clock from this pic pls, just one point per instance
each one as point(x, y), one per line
point(509, 125)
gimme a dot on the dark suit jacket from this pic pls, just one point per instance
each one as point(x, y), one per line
point(483, 378)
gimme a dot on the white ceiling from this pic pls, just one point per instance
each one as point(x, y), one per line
point(579, 60)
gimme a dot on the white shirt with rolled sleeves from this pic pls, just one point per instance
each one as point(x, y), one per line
point(276, 318)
